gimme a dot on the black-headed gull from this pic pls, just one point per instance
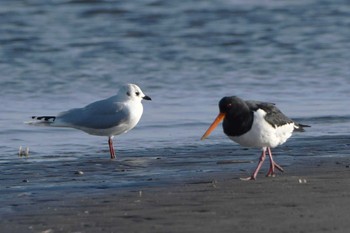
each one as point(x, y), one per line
point(255, 124)
point(109, 117)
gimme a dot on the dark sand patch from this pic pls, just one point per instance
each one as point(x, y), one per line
point(312, 196)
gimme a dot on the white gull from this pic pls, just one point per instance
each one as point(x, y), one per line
point(108, 117)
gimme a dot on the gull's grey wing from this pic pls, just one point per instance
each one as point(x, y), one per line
point(102, 114)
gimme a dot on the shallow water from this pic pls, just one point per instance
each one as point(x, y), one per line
point(186, 55)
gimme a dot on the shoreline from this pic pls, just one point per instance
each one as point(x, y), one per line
point(312, 196)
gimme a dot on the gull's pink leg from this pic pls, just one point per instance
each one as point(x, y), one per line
point(273, 165)
point(111, 149)
point(261, 161)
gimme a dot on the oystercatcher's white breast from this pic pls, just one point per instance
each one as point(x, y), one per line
point(263, 134)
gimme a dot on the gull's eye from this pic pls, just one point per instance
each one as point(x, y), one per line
point(137, 93)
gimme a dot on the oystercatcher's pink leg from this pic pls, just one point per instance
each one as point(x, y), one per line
point(273, 165)
point(111, 149)
point(261, 161)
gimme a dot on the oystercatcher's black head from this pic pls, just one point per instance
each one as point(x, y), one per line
point(226, 105)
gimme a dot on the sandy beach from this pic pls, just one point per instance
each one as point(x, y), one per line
point(312, 196)
point(186, 56)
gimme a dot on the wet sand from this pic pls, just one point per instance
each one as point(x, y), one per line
point(313, 195)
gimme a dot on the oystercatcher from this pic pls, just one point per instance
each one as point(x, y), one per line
point(255, 124)
point(109, 117)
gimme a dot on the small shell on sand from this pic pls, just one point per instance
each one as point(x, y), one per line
point(23, 151)
point(302, 181)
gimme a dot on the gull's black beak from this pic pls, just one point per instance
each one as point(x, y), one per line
point(146, 97)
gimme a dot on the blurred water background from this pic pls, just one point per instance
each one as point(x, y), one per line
point(56, 55)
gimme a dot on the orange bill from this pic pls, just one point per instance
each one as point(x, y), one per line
point(217, 120)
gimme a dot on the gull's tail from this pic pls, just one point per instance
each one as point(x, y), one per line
point(42, 120)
